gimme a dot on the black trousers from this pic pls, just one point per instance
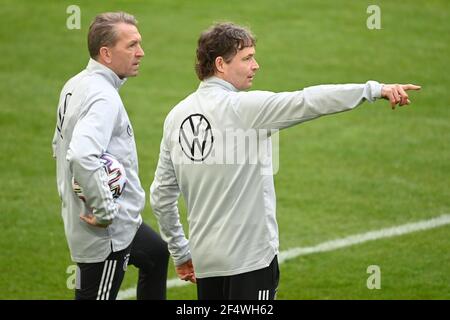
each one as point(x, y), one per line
point(148, 252)
point(260, 284)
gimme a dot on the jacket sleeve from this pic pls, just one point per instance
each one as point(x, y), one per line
point(90, 139)
point(164, 193)
point(269, 110)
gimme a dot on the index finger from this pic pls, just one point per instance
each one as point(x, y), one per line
point(83, 217)
point(410, 87)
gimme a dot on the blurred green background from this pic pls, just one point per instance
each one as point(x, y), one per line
point(349, 173)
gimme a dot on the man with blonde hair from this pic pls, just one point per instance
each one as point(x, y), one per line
point(92, 120)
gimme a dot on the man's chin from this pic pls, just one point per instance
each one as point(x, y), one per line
point(249, 85)
point(132, 74)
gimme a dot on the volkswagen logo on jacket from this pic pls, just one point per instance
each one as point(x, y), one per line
point(195, 137)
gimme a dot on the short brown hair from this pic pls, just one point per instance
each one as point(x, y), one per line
point(221, 40)
point(102, 32)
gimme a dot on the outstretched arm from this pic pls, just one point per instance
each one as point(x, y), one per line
point(270, 110)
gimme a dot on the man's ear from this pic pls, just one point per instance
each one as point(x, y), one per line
point(219, 64)
point(105, 54)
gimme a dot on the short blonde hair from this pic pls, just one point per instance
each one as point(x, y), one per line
point(102, 32)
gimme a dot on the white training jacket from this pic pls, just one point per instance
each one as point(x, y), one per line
point(231, 204)
point(92, 120)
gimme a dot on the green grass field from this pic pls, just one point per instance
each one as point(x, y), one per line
point(350, 173)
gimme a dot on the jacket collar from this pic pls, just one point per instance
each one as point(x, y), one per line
point(217, 82)
point(96, 67)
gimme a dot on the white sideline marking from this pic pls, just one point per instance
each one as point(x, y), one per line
point(364, 237)
point(330, 245)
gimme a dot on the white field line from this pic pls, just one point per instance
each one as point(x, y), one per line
point(330, 245)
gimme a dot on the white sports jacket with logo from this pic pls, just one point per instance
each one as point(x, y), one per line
point(92, 120)
point(231, 205)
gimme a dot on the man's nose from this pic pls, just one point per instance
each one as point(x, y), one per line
point(255, 66)
point(140, 52)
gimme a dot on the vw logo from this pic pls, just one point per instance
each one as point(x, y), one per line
point(195, 137)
